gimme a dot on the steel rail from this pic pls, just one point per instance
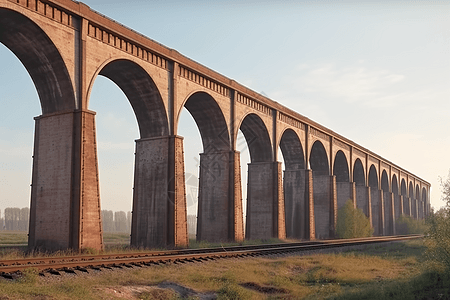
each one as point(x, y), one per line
point(71, 263)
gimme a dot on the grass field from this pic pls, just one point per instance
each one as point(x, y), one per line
point(393, 271)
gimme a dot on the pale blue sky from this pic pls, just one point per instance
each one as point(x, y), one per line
point(376, 72)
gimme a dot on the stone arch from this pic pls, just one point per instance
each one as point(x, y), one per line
point(143, 95)
point(340, 167)
point(318, 159)
point(41, 59)
point(293, 184)
point(257, 138)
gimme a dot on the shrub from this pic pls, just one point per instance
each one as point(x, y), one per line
point(437, 237)
point(352, 222)
point(407, 225)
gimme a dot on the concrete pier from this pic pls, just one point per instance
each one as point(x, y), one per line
point(65, 201)
point(159, 204)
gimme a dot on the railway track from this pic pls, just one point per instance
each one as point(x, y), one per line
point(84, 263)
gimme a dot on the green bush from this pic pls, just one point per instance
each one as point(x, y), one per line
point(437, 237)
point(407, 225)
point(352, 222)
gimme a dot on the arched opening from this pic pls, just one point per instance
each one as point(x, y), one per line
point(294, 185)
point(375, 200)
point(387, 204)
point(405, 198)
point(321, 188)
point(116, 131)
point(119, 126)
point(214, 208)
point(359, 178)
point(396, 197)
point(343, 186)
point(260, 220)
point(52, 85)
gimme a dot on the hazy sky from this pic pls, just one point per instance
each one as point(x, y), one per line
point(376, 72)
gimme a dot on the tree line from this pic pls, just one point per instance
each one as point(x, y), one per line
point(118, 221)
point(15, 218)
point(18, 219)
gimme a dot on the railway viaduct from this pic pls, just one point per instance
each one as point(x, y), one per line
point(64, 45)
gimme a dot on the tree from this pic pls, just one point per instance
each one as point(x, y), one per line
point(437, 236)
point(352, 222)
point(120, 220)
point(108, 221)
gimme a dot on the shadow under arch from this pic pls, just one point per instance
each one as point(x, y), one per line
point(294, 185)
point(42, 60)
point(216, 210)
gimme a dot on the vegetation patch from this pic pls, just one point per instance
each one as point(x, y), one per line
point(348, 274)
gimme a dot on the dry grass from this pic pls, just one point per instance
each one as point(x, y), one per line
point(309, 277)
